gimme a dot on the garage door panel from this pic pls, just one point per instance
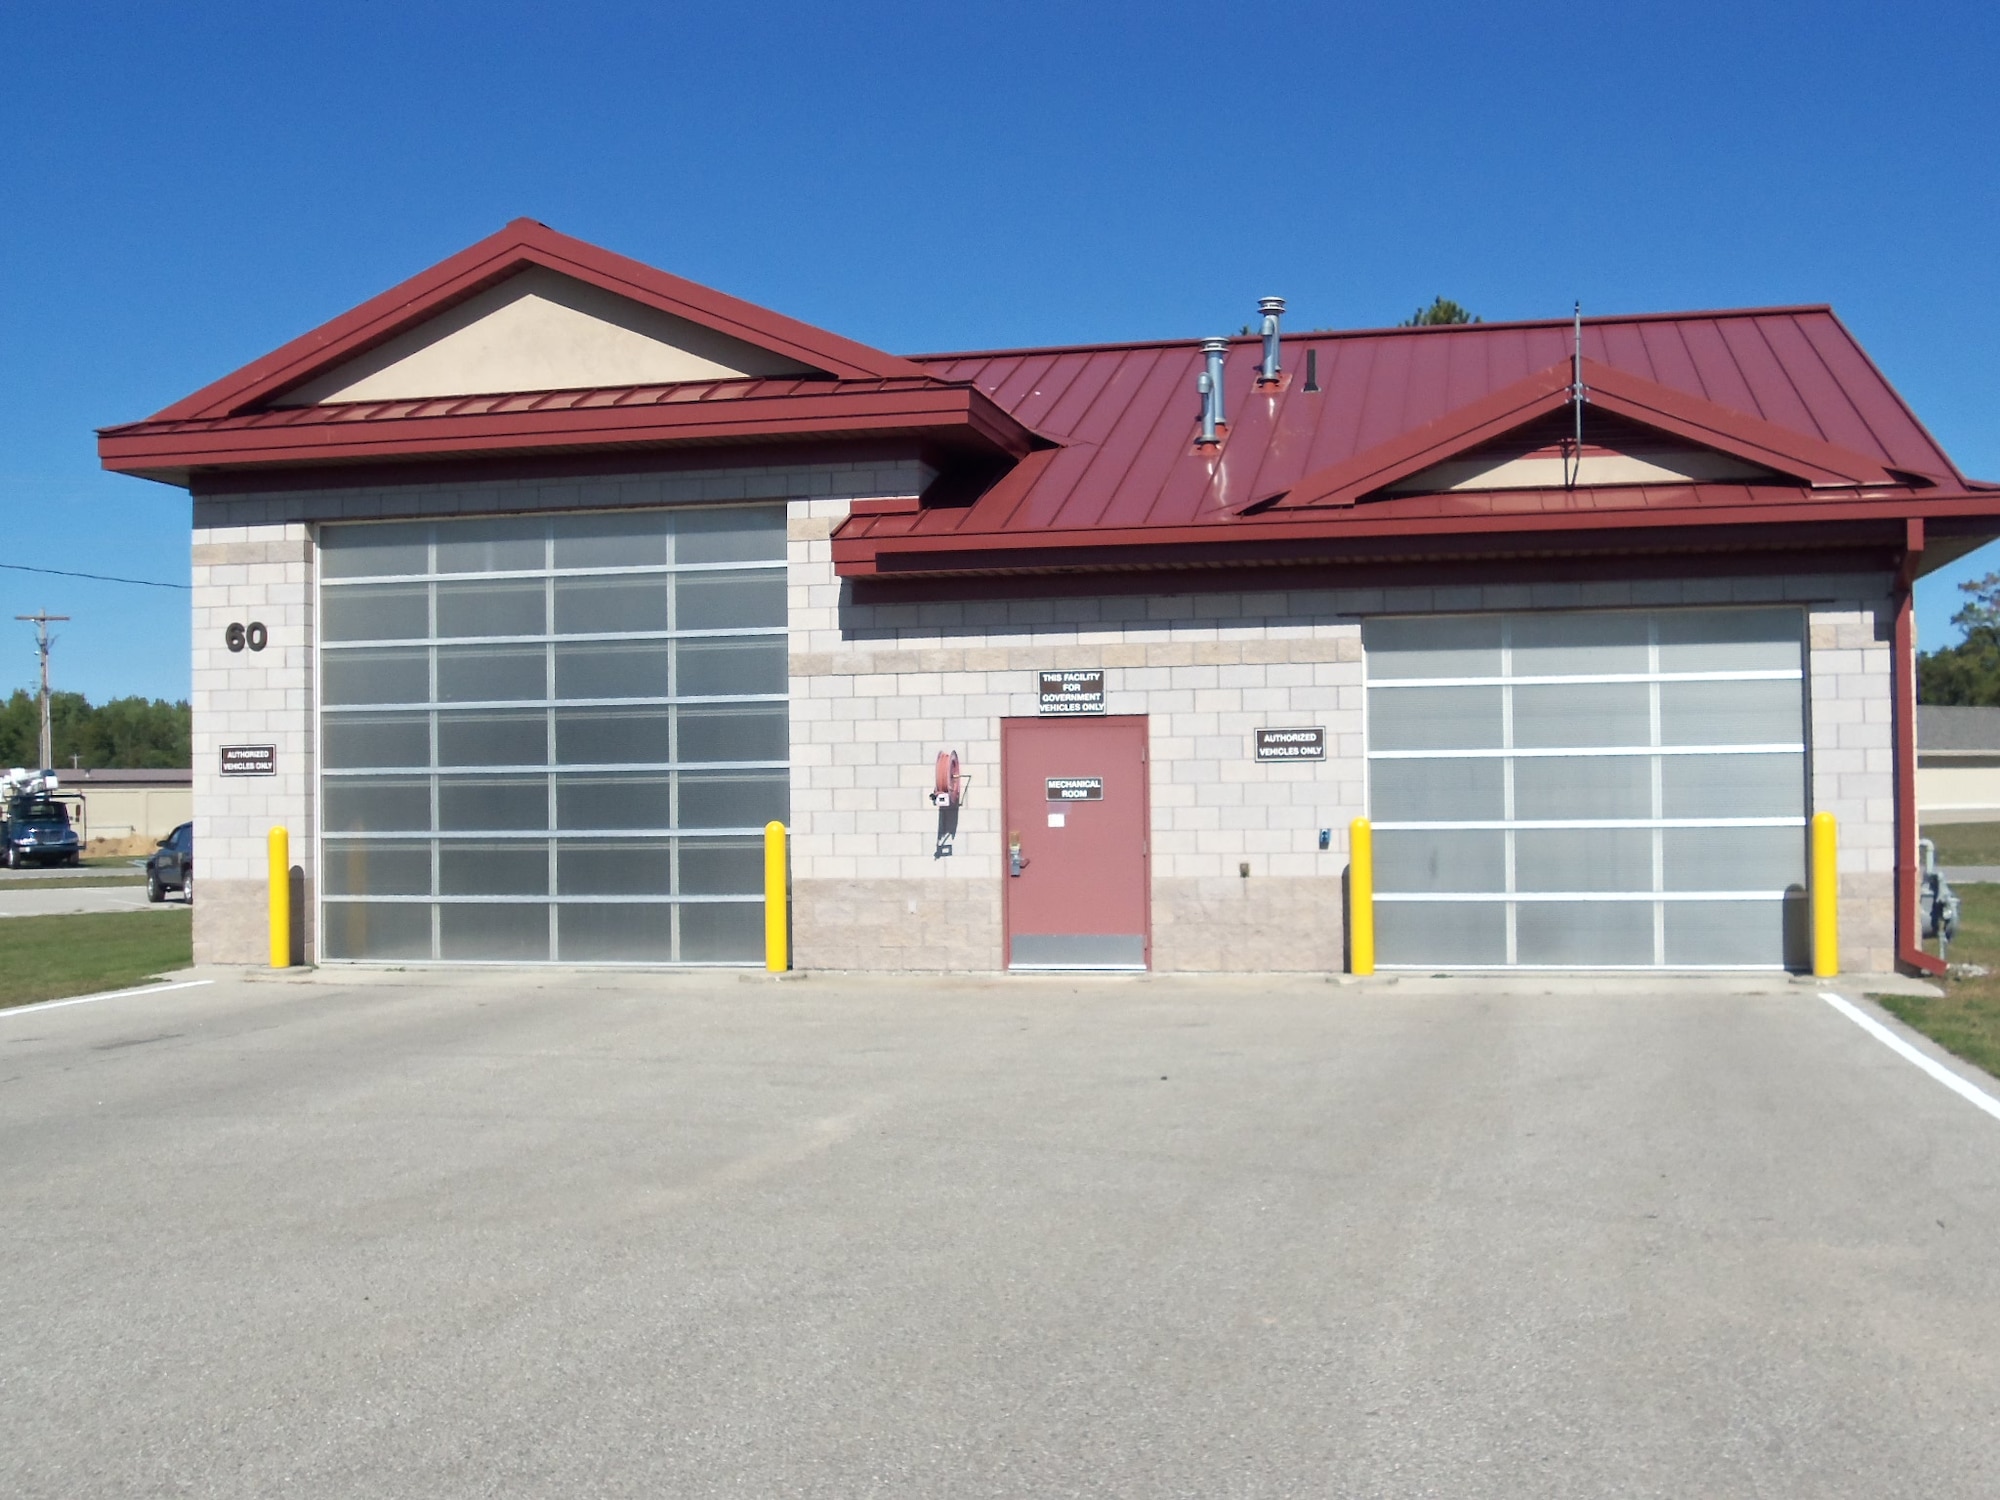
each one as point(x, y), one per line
point(519, 738)
point(1439, 718)
point(367, 868)
point(1432, 860)
point(1730, 640)
point(1563, 716)
point(1583, 859)
point(1729, 713)
point(1616, 934)
point(1471, 934)
point(1733, 786)
point(377, 931)
point(1440, 646)
point(1582, 786)
point(1577, 645)
point(513, 932)
point(1708, 934)
point(517, 869)
point(1439, 790)
point(1733, 859)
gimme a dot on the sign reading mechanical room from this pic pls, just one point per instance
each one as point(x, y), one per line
point(1071, 692)
point(1291, 744)
point(1076, 788)
point(249, 760)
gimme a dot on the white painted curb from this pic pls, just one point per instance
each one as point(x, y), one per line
point(151, 989)
point(1971, 1093)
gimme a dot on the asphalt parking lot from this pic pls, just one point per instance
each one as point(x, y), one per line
point(56, 900)
point(585, 1235)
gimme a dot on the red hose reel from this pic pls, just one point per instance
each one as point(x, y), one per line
point(949, 785)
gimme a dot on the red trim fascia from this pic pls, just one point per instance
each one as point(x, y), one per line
point(524, 243)
point(864, 554)
point(154, 448)
point(1903, 713)
point(1793, 454)
point(1734, 559)
point(552, 465)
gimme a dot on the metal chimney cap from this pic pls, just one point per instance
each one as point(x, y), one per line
point(1215, 346)
point(1270, 306)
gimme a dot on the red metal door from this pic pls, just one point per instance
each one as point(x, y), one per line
point(1075, 806)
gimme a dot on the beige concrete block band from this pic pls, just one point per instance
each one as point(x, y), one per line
point(1165, 653)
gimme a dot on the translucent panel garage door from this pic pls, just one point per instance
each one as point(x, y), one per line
point(552, 739)
point(1588, 790)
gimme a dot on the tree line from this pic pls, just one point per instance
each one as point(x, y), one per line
point(123, 734)
point(1967, 674)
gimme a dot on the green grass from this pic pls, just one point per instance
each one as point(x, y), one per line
point(70, 882)
point(1966, 843)
point(1967, 1020)
point(46, 958)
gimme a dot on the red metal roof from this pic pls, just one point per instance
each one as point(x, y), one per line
point(1100, 464)
point(1787, 387)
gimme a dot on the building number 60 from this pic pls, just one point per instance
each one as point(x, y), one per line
point(253, 635)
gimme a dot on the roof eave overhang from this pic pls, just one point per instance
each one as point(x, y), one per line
point(941, 416)
point(1280, 540)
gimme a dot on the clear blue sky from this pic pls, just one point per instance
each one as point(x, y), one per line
point(185, 187)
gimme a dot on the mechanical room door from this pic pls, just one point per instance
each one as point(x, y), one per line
point(1077, 823)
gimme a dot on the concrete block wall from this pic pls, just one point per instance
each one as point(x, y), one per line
point(877, 690)
point(243, 574)
point(254, 559)
point(1854, 768)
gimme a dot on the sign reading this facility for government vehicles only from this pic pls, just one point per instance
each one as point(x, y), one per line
point(1291, 744)
point(1071, 692)
point(249, 760)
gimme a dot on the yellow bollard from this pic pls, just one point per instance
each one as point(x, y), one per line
point(279, 846)
point(1825, 897)
point(776, 938)
point(1361, 896)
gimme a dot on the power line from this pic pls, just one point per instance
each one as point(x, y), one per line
point(144, 583)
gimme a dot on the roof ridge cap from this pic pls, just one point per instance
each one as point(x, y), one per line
point(1597, 320)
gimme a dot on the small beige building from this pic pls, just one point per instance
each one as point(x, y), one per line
point(129, 807)
point(1958, 764)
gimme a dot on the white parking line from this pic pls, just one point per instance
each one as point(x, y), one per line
point(151, 989)
point(1971, 1093)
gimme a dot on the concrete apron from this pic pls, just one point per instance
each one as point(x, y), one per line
point(1652, 984)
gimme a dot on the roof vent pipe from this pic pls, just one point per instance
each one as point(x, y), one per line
point(1272, 308)
point(1210, 386)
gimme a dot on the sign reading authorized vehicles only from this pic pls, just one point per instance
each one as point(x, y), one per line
point(1070, 692)
point(1291, 744)
point(1076, 788)
point(249, 760)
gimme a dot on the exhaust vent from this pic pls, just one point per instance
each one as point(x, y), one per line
point(1272, 309)
point(1209, 383)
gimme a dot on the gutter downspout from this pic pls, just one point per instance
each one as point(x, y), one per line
point(1903, 709)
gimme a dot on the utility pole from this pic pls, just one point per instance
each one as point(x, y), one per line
point(41, 623)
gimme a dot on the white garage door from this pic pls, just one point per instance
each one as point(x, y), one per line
point(1589, 790)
